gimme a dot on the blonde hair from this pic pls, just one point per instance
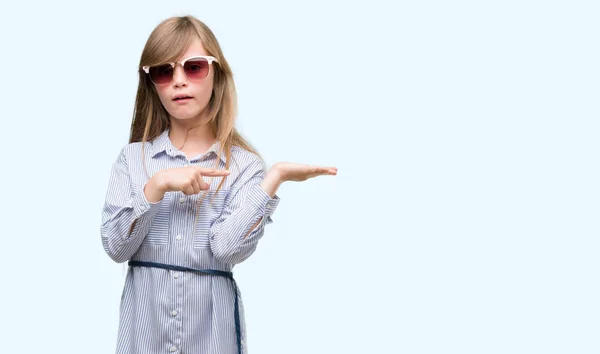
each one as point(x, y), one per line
point(167, 42)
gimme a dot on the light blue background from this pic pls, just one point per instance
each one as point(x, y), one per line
point(464, 218)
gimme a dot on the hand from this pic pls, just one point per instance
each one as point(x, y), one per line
point(299, 172)
point(188, 179)
point(185, 179)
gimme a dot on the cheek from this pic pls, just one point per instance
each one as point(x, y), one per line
point(203, 94)
point(162, 94)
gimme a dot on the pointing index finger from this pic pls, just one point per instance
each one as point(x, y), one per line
point(213, 172)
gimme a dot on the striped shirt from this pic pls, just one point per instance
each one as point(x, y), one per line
point(164, 311)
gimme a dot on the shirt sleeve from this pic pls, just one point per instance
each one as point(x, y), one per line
point(125, 203)
point(247, 204)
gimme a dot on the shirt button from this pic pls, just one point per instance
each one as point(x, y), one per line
point(178, 237)
point(176, 275)
point(173, 348)
point(182, 200)
point(174, 313)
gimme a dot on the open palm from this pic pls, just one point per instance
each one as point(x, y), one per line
point(301, 172)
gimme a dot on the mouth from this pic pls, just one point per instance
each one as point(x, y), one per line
point(182, 99)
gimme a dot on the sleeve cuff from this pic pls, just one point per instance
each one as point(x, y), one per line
point(262, 201)
point(141, 205)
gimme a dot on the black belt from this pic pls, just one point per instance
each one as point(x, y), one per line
point(221, 273)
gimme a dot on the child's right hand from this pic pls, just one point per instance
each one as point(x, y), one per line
point(185, 179)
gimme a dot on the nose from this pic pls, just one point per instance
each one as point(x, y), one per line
point(179, 77)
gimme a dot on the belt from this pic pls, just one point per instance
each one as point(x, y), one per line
point(221, 273)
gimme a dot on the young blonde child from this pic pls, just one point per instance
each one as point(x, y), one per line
point(187, 199)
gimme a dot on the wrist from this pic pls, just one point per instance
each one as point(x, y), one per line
point(276, 173)
point(155, 189)
point(272, 181)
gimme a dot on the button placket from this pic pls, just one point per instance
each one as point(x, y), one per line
point(173, 312)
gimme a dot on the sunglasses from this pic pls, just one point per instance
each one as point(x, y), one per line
point(195, 68)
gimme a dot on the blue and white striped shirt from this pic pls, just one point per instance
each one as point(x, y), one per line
point(164, 311)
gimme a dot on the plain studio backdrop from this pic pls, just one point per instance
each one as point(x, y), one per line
point(464, 218)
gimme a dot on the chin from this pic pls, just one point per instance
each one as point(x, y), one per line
point(184, 116)
point(180, 117)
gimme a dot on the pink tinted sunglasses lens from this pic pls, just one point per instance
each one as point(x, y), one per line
point(161, 74)
point(196, 68)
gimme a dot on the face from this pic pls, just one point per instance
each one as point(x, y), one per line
point(200, 90)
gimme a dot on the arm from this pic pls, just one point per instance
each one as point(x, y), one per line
point(127, 214)
point(270, 185)
point(235, 234)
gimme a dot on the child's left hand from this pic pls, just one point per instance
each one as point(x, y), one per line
point(301, 172)
point(286, 171)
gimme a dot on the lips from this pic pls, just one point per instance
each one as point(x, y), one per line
point(182, 97)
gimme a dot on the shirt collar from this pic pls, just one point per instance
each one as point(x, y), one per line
point(162, 143)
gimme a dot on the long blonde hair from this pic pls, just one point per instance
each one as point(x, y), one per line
point(167, 42)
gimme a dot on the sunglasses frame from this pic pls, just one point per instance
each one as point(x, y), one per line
point(208, 58)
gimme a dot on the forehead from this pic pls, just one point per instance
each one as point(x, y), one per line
point(195, 48)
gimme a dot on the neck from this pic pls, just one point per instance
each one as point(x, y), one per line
point(199, 136)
